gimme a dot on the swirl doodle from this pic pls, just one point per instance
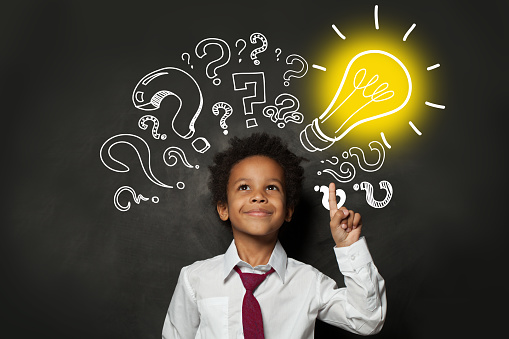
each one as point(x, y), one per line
point(346, 168)
point(172, 154)
point(137, 198)
point(364, 165)
point(142, 150)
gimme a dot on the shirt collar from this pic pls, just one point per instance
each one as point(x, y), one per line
point(278, 260)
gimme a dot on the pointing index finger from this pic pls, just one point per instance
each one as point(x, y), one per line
point(333, 207)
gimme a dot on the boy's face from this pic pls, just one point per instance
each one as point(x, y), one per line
point(256, 197)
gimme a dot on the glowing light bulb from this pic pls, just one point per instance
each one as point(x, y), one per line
point(375, 84)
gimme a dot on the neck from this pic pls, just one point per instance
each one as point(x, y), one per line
point(255, 250)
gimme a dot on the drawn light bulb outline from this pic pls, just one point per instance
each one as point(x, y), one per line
point(313, 138)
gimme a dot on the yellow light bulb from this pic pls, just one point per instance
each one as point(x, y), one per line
point(375, 84)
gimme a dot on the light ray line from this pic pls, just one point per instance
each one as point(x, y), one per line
point(434, 105)
point(376, 17)
point(384, 140)
point(433, 67)
point(338, 32)
point(414, 128)
point(408, 32)
point(321, 68)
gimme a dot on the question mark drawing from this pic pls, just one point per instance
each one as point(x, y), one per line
point(188, 58)
point(142, 123)
point(290, 60)
point(228, 110)
point(137, 198)
point(363, 164)
point(278, 53)
point(214, 65)
point(252, 82)
point(170, 82)
point(366, 186)
point(253, 38)
point(285, 110)
point(142, 150)
point(325, 198)
point(242, 49)
point(173, 154)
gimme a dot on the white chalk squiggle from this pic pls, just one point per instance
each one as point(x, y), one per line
point(142, 150)
point(137, 198)
point(173, 154)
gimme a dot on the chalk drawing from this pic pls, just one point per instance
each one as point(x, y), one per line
point(325, 197)
point(218, 44)
point(366, 186)
point(151, 90)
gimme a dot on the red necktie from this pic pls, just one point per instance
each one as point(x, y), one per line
point(251, 313)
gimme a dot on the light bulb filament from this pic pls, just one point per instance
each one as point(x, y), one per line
point(378, 95)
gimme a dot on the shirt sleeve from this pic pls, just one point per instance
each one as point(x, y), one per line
point(182, 319)
point(361, 306)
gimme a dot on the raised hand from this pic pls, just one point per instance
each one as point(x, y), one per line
point(345, 225)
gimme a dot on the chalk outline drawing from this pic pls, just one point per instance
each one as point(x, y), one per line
point(242, 49)
point(142, 123)
point(290, 60)
point(228, 111)
point(278, 53)
point(282, 114)
point(242, 79)
point(216, 63)
point(265, 44)
point(325, 198)
point(188, 59)
point(130, 139)
point(350, 172)
point(156, 99)
point(137, 198)
point(206, 145)
point(314, 126)
point(173, 153)
point(366, 186)
point(368, 167)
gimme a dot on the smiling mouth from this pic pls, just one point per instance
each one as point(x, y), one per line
point(259, 213)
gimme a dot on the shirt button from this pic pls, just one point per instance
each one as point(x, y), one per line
point(352, 257)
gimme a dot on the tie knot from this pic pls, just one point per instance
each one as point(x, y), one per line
point(252, 280)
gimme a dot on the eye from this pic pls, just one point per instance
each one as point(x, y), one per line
point(243, 187)
point(272, 188)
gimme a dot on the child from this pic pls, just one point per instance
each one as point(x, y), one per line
point(255, 186)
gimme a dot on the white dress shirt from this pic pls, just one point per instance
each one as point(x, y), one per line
point(207, 302)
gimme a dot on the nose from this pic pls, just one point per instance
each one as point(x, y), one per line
point(258, 196)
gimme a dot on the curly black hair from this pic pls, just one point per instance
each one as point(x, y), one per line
point(256, 144)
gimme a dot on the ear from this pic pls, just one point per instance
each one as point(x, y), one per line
point(222, 210)
point(289, 213)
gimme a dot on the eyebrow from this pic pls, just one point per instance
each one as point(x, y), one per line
point(247, 179)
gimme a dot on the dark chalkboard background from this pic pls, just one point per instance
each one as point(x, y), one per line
point(73, 266)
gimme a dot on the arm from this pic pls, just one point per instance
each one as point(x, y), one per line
point(361, 306)
point(182, 319)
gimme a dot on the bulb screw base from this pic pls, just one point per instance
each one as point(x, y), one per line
point(313, 139)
